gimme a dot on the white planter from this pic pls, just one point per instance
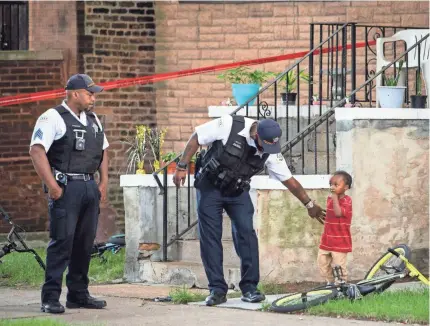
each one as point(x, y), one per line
point(391, 97)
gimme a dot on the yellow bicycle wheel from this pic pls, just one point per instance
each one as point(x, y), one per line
point(301, 301)
point(388, 263)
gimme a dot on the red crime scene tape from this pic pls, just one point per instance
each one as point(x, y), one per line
point(47, 95)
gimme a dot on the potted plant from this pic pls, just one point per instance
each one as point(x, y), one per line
point(418, 101)
point(155, 138)
point(316, 100)
point(245, 83)
point(166, 158)
point(291, 78)
point(348, 103)
point(391, 95)
point(137, 151)
point(147, 140)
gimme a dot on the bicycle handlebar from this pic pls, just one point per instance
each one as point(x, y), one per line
point(5, 216)
point(395, 253)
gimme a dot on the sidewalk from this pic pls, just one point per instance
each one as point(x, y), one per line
point(127, 306)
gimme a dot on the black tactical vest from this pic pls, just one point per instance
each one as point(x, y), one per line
point(237, 161)
point(62, 154)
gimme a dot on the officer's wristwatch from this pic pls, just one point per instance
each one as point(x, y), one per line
point(310, 204)
point(181, 165)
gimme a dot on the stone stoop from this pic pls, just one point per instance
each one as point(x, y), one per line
point(182, 273)
point(186, 267)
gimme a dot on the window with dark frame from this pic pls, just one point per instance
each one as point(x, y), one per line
point(13, 25)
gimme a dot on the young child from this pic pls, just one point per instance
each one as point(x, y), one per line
point(336, 238)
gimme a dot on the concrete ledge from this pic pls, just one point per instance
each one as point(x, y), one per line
point(258, 181)
point(47, 55)
point(381, 114)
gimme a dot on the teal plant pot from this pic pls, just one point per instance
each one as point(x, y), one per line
point(243, 92)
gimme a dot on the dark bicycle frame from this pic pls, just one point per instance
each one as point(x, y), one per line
point(12, 246)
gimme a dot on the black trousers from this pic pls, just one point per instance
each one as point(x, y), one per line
point(240, 210)
point(73, 225)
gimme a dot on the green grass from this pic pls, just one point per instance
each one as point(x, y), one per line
point(265, 306)
point(400, 306)
point(41, 322)
point(32, 322)
point(270, 288)
point(22, 270)
point(184, 295)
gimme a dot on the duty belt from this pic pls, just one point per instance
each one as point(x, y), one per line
point(85, 177)
point(64, 177)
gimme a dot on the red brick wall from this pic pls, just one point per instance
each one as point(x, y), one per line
point(198, 35)
point(52, 26)
point(116, 41)
point(20, 187)
point(107, 40)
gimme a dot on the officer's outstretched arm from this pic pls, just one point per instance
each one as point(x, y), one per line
point(190, 149)
point(297, 190)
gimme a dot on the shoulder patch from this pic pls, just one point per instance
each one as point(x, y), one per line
point(43, 118)
point(279, 157)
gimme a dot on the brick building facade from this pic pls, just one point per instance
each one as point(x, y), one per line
point(113, 40)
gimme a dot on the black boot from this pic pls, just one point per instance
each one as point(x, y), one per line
point(52, 307)
point(88, 302)
point(216, 298)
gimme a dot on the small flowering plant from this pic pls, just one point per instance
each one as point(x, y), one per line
point(147, 140)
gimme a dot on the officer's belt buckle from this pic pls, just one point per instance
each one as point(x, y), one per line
point(87, 177)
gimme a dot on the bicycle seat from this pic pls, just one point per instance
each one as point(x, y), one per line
point(366, 289)
point(118, 239)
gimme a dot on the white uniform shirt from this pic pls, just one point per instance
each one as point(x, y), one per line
point(50, 126)
point(219, 129)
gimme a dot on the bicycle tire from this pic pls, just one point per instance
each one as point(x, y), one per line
point(376, 267)
point(301, 301)
point(403, 249)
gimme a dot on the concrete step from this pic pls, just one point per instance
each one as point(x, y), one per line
point(189, 250)
point(183, 274)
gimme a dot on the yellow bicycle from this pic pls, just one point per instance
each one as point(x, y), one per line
point(389, 268)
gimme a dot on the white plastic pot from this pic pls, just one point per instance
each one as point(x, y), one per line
point(391, 97)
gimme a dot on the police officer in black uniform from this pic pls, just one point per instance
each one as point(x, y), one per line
point(68, 146)
point(239, 148)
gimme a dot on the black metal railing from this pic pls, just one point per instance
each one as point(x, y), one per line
point(417, 46)
point(13, 25)
point(363, 59)
point(302, 125)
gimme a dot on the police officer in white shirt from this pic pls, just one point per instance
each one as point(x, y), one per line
point(239, 148)
point(67, 147)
